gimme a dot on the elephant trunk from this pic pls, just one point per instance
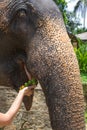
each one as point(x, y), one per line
point(52, 60)
point(64, 93)
point(64, 98)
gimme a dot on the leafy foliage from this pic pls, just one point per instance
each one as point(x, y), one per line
point(84, 78)
point(72, 23)
point(62, 4)
point(69, 17)
point(86, 116)
point(80, 30)
point(81, 54)
point(81, 7)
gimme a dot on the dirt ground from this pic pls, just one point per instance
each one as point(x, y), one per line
point(36, 119)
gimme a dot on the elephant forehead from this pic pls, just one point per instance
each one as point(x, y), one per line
point(43, 7)
point(42, 3)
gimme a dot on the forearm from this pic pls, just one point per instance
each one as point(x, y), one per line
point(15, 106)
point(6, 119)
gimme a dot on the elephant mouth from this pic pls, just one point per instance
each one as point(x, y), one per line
point(27, 72)
point(28, 99)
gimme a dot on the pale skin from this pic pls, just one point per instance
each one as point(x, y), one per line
point(6, 119)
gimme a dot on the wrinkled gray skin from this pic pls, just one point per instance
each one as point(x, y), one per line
point(33, 32)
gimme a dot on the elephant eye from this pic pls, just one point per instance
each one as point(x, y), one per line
point(21, 13)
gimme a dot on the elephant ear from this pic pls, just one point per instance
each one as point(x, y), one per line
point(27, 100)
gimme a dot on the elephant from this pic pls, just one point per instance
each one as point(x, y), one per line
point(33, 34)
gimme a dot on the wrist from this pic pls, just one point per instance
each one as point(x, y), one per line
point(21, 92)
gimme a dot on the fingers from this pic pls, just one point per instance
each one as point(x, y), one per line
point(31, 87)
point(29, 90)
point(29, 93)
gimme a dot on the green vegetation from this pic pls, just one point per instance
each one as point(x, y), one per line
point(81, 53)
point(86, 116)
point(84, 78)
point(80, 30)
point(62, 4)
point(73, 26)
point(81, 7)
point(29, 83)
point(71, 20)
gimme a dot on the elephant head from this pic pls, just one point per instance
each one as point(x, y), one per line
point(33, 32)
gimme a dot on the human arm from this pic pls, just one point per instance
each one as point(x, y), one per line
point(6, 119)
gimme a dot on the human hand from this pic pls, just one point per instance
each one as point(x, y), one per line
point(28, 91)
